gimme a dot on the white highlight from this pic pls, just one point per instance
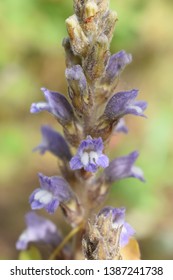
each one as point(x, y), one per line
point(136, 108)
point(90, 157)
point(85, 158)
point(43, 196)
point(137, 171)
point(93, 157)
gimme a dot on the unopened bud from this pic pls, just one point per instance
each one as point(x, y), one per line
point(79, 41)
point(91, 9)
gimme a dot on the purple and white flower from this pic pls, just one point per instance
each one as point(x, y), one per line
point(38, 229)
point(123, 103)
point(57, 104)
point(52, 192)
point(118, 220)
point(54, 142)
point(89, 155)
point(123, 167)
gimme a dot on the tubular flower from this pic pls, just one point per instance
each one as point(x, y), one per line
point(53, 191)
point(56, 104)
point(89, 155)
point(123, 103)
point(123, 167)
point(38, 229)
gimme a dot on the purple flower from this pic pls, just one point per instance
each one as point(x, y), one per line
point(122, 167)
point(52, 192)
point(89, 155)
point(54, 142)
point(118, 220)
point(57, 104)
point(38, 229)
point(123, 103)
point(116, 65)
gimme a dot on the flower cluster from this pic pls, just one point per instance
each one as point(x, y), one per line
point(89, 115)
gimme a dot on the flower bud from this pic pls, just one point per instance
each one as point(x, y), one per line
point(79, 41)
point(90, 10)
point(78, 89)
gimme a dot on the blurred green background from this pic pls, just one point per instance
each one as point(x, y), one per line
point(31, 56)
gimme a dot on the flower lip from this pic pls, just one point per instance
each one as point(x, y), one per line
point(89, 155)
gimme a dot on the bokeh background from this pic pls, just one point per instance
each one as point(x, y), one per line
point(31, 56)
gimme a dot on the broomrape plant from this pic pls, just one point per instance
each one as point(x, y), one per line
point(89, 116)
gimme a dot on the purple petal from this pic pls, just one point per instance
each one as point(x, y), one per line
point(88, 143)
point(75, 163)
point(98, 145)
point(103, 161)
point(126, 234)
point(31, 198)
point(60, 188)
point(39, 107)
point(36, 205)
point(141, 104)
point(91, 167)
point(45, 181)
point(51, 207)
point(137, 108)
